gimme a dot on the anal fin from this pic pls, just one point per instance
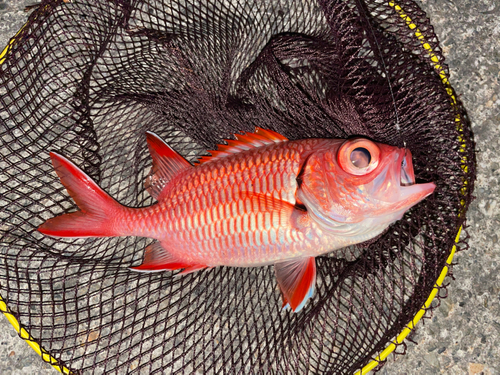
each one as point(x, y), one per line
point(192, 268)
point(157, 258)
point(296, 279)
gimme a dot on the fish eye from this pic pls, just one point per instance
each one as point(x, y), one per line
point(358, 156)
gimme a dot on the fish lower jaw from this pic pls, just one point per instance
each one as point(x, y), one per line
point(413, 194)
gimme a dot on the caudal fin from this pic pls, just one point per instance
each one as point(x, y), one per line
point(97, 208)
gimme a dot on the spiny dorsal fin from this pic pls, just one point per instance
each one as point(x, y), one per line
point(259, 138)
point(166, 164)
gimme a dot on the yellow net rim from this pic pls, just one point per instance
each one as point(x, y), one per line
point(47, 357)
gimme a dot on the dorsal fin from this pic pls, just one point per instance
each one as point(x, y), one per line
point(259, 138)
point(166, 164)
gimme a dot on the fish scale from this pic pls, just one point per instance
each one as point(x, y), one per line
point(274, 173)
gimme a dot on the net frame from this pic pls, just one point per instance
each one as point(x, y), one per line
point(439, 283)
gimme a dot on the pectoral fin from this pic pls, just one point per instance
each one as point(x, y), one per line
point(296, 279)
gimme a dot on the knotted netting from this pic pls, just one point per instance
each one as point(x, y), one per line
point(89, 78)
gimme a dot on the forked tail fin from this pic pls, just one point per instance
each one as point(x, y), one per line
point(98, 211)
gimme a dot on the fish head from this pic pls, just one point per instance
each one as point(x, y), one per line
point(359, 181)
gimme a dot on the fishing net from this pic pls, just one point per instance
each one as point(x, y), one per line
point(89, 78)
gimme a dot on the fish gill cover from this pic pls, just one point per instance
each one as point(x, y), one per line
point(88, 79)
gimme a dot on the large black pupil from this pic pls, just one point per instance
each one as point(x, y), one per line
point(360, 157)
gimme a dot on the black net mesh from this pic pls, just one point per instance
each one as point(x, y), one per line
point(90, 78)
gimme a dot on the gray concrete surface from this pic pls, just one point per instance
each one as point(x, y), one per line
point(463, 334)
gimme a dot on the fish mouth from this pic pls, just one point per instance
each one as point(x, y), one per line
point(411, 193)
point(407, 176)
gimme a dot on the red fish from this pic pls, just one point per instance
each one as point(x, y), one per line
point(259, 200)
